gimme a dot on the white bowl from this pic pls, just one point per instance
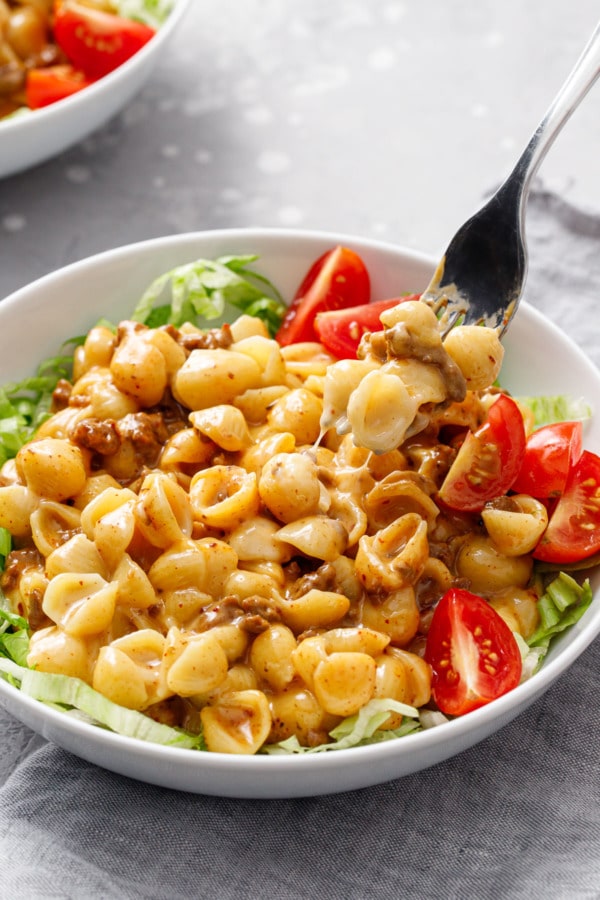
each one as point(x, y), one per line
point(539, 359)
point(33, 138)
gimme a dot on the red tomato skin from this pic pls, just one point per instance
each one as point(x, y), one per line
point(550, 453)
point(472, 652)
point(337, 280)
point(500, 440)
point(340, 331)
point(48, 85)
point(573, 532)
point(94, 41)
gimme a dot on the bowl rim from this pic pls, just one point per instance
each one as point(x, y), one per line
point(300, 235)
point(480, 721)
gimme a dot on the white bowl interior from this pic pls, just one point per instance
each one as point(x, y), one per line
point(539, 359)
point(31, 139)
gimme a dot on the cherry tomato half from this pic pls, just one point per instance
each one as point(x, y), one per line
point(573, 532)
point(95, 41)
point(488, 460)
point(340, 331)
point(550, 453)
point(337, 280)
point(47, 85)
point(472, 652)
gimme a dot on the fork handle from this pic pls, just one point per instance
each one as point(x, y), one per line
point(582, 77)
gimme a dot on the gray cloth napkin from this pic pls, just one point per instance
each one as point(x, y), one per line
point(516, 816)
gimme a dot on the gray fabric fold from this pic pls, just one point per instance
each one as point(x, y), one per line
point(564, 268)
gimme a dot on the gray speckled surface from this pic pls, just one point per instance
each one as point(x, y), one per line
point(387, 119)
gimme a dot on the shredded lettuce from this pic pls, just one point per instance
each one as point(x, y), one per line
point(14, 645)
point(72, 693)
point(202, 290)
point(205, 289)
point(14, 634)
point(431, 718)
point(151, 12)
point(354, 731)
point(5, 546)
point(75, 697)
point(561, 605)
point(556, 408)
point(531, 657)
point(25, 405)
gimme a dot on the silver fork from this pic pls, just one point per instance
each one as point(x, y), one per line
point(481, 276)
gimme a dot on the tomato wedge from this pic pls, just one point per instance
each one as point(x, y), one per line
point(573, 532)
point(488, 460)
point(337, 280)
point(47, 85)
point(472, 652)
point(96, 41)
point(340, 331)
point(550, 453)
